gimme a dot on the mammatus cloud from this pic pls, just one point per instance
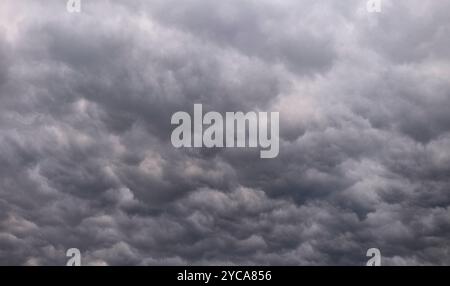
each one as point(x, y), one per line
point(86, 159)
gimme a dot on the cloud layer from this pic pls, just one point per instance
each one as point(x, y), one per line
point(85, 153)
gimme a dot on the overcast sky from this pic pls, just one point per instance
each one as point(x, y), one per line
point(86, 159)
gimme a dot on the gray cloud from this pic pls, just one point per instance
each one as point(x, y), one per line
point(86, 160)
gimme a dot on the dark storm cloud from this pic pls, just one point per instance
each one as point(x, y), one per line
point(253, 28)
point(414, 34)
point(86, 160)
point(4, 62)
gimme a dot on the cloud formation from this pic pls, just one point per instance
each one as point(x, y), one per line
point(85, 153)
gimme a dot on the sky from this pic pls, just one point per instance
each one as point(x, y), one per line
point(86, 160)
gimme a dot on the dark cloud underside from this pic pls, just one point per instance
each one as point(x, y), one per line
point(85, 153)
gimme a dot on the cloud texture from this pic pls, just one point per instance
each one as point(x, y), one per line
point(85, 153)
